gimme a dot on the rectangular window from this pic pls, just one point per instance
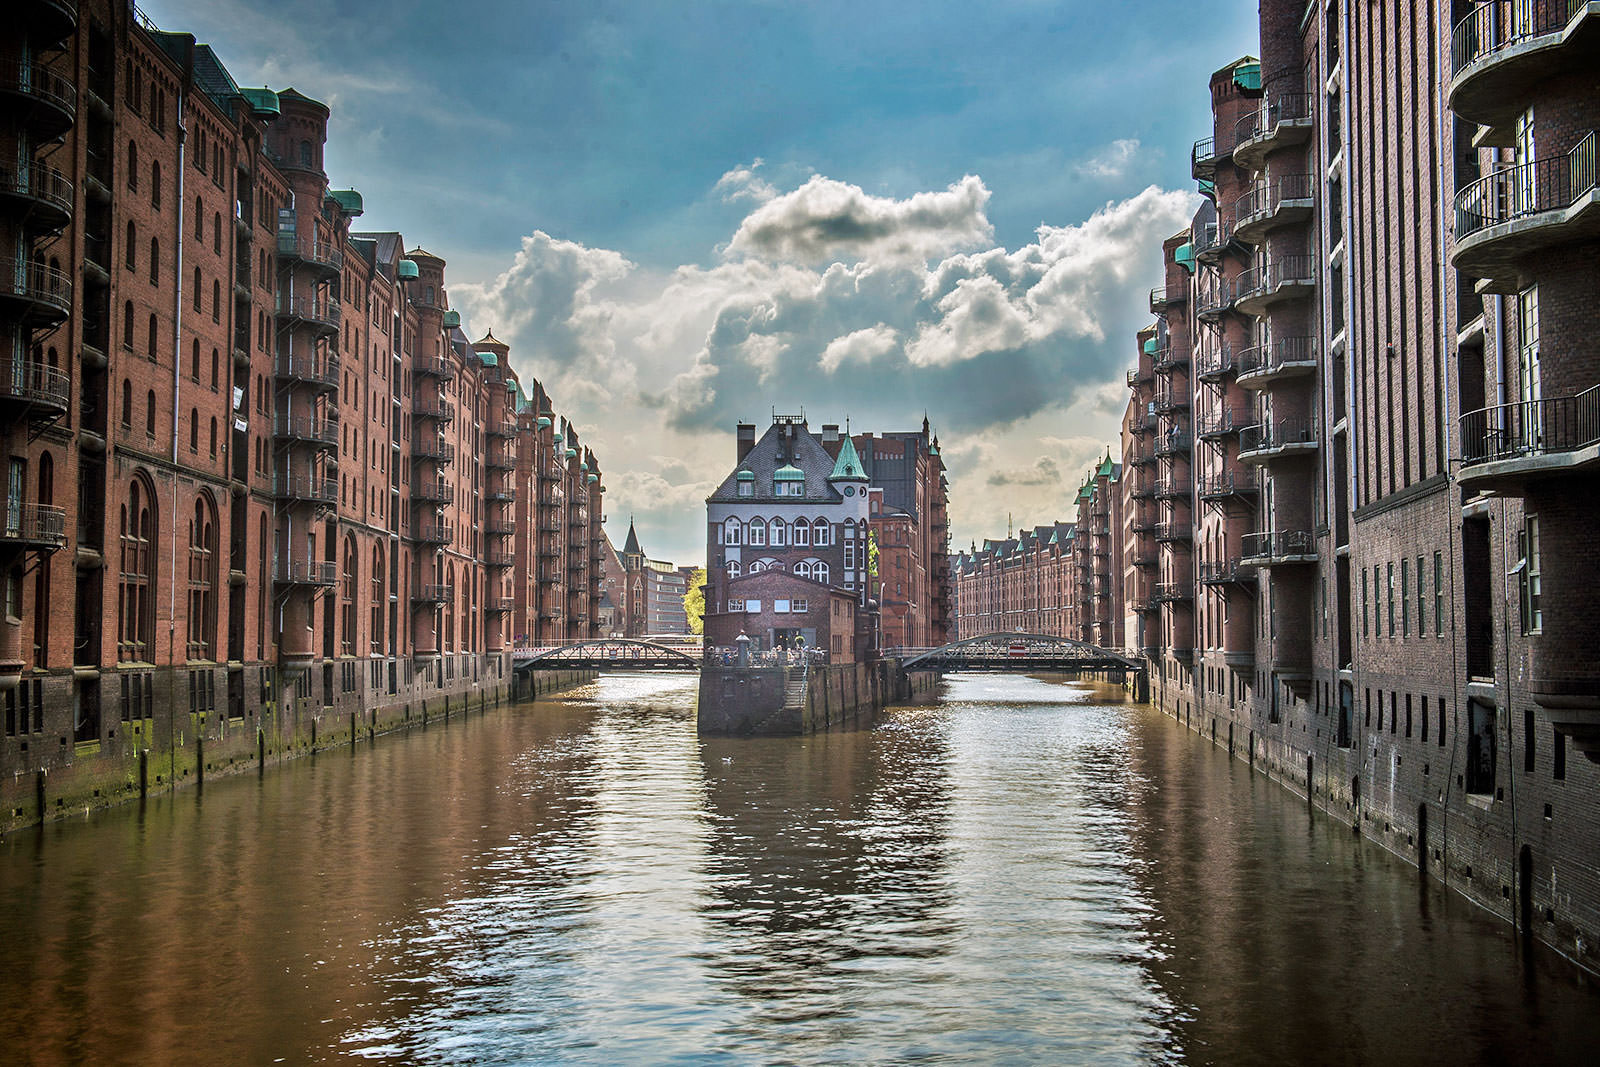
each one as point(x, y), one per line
point(780, 607)
point(1441, 722)
point(752, 606)
point(746, 488)
point(802, 534)
point(1480, 748)
point(1438, 594)
point(799, 605)
point(736, 603)
point(849, 555)
point(1527, 741)
point(1365, 628)
point(1405, 598)
point(1422, 602)
point(1389, 586)
point(1424, 720)
point(1532, 586)
point(758, 533)
point(1558, 769)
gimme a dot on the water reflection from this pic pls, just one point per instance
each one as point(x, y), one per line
point(1025, 870)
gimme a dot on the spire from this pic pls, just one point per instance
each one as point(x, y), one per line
point(849, 463)
point(630, 547)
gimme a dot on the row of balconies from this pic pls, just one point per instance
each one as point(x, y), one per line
point(1272, 202)
point(323, 256)
point(32, 388)
point(1282, 119)
point(322, 313)
point(1499, 51)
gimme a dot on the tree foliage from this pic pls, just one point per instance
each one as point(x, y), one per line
point(694, 602)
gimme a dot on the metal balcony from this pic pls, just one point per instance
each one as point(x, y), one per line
point(39, 194)
point(430, 491)
point(1224, 424)
point(323, 256)
point(304, 369)
point(1169, 400)
point(500, 427)
point(318, 431)
point(500, 605)
point(1173, 443)
point(33, 292)
point(1163, 298)
point(434, 534)
point(304, 489)
point(433, 450)
point(1203, 158)
point(1500, 52)
point(1270, 203)
point(1270, 548)
point(1210, 240)
point(1283, 278)
point(1278, 439)
point(33, 527)
point(1282, 119)
point(1173, 531)
point(1172, 592)
point(427, 406)
point(1505, 217)
point(433, 367)
point(501, 459)
point(51, 22)
point(499, 560)
point(1287, 357)
point(1214, 297)
point(31, 389)
point(1171, 489)
point(322, 315)
point(1225, 572)
point(305, 572)
point(431, 594)
point(500, 527)
point(1214, 366)
point(1169, 357)
point(1507, 446)
point(505, 494)
point(1225, 485)
point(50, 101)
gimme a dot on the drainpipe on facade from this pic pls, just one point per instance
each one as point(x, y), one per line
point(177, 363)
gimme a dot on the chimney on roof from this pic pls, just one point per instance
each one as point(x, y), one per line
point(830, 433)
point(747, 439)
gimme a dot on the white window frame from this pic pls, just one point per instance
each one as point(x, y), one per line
point(802, 534)
point(756, 535)
point(734, 530)
point(777, 533)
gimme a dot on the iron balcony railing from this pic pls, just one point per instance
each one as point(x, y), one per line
point(1267, 545)
point(1167, 592)
point(36, 283)
point(1173, 531)
point(1284, 270)
point(306, 369)
point(1214, 297)
point(44, 85)
point(306, 428)
point(304, 571)
point(500, 427)
point(433, 367)
point(433, 407)
point(1203, 157)
point(1169, 357)
point(32, 381)
point(1172, 489)
point(1277, 433)
point(1531, 428)
point(433, 449)
point(1492, 28)
point(433, 492)
point(500, 527)
point(304, 488)
point(40, 525)
point(1162, 298)
point(1173, 442)
point(498, 559)
point(309, 309)
point(1217, 486)
point(1285, 352)
point(501, 459)
point(435, 534)
point(1221, 424)
point(309, 250)
point(500, 605)
point(1274, 110)
point(1527, 189)
point(1169, 399)
point(431, 594)
point(1220, 571)
point(40, 182)
point(1265, 197)
point(1212, 365)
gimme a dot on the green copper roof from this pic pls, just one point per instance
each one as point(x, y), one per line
point(848, 464)
point(1247, 74)
point(1207, 187)
point(583, 468)
point(572, 453)
point(1183, 255)
point(745, 476)
point(488, 359)
point(1106, 466)
point(261, 101)
point(544, 423)
point(407, 271)
point(349, 201)
point(1150, 346)
point(788, 473)
point(592, 479)
point(452, 319)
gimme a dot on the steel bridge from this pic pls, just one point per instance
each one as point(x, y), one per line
point(606, 654)
point(1019, 653)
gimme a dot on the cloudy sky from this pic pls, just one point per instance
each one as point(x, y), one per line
point(686, 214)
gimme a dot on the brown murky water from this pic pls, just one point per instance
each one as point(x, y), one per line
point(1024, 872)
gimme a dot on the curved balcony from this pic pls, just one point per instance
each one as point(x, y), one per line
point(1500, 52)
point(324, 432)
point(1173, 532)
point(1278, 439)
point(303, 489)
point(1169, 400)
point(305, 370)
point(499, 560)
point(427, 406)
point(1225, 572)
point(29, 387)
point(1507, 446)
point(305, 572)
point(1164, 298)
point(49, 102)
point(321, 314)
point(1171, 489)
point(434, 367)
point(1172, 592)
point(1270, 203)
point(33, 527)
point(1284, 278)
point(431, 594)
point(1226, 485)
point(1503, 218)
point(322, 256)
point(1169, 357)
point(1203, 158)
point(433, 450)
point(35, 293)
point(500, 427)
point(51, 22)
point(434, 534)
point(1214, 297)
point(500, 605)
point(1212, 239)
point(1283, 119)
point(1214, 366)
point(1271, 548)
point(1173, 443)
point(432, 491)
point(41, 194)
point(1288, 357)
point(1222, 424)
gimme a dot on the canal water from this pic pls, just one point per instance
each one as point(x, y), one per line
point(1027, 871)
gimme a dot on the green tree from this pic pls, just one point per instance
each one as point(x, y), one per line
point(694, 602)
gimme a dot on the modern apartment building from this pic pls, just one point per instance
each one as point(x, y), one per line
point(1365, 438)
point(260, 484)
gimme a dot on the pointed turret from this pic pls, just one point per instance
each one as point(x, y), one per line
point(630, 547)
point(848, 467)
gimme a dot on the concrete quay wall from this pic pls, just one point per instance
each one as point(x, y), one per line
point(751, 700)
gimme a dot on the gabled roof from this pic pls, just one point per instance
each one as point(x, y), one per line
point(771, 453)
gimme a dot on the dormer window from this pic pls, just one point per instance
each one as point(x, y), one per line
point(747, 483)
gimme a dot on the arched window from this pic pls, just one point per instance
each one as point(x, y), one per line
point(150, 413)
point(133, 166)
point(802, 569)
point(758, 566)
point(733, 568)
point(127, 326)
point(757, 532)
point(137, 576)
point(199, 219)
point(375, 631)
point(732, 530)
point(347, 599)
point(216, 300)
point(194, 430)
point(216, 232)
point(130, 250)
point(150, 339)
point(194, 359)
point(213, 437)
point(197, 284)
point(155, 261)
point(203, 580)
point(214, 366)
point(819, 571)
point(777, 533)
point(819, 533)
point(155, 184)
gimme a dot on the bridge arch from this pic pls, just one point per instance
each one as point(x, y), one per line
point(602, 653)
point(1019, 651)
